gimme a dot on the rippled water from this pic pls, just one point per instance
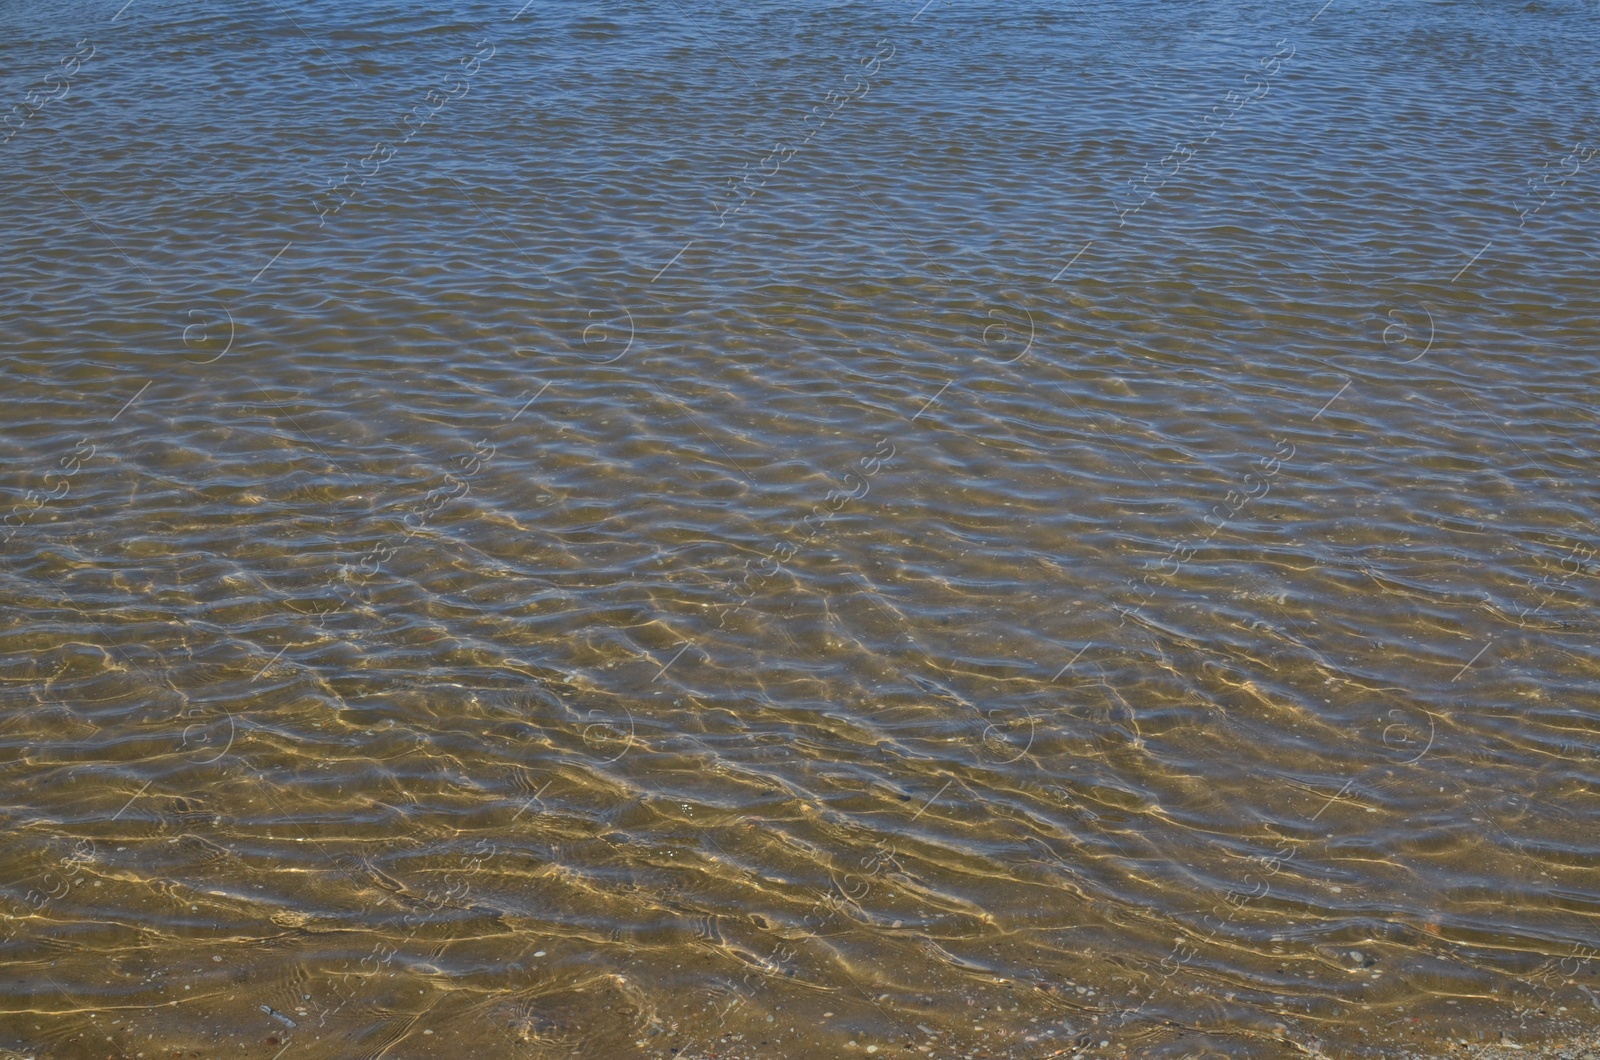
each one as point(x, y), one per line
point(701, 529)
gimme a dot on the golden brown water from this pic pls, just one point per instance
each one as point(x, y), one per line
point(690, 529)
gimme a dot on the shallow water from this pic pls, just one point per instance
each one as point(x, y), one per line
point(690, 528)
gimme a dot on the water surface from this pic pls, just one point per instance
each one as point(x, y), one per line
point(693, 528)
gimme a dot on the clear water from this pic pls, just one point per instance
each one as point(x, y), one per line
point(698, 528)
